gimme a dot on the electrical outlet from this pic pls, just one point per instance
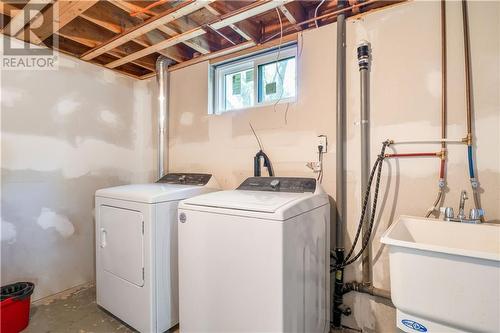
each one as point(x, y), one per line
point(323, 142)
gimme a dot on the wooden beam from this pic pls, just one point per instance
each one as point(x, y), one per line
point(92, 43)
point(253, 9)
point(232, 52)
point(240, 31)
point(183, 9)
point(62, 13)
point(102, 23)
point(171, 32)
point(139, 41)
point(294, 13)
point(8, 10)
point(131, 8)
point(31, 11)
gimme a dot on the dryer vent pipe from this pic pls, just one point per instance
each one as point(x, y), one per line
point(162, 78)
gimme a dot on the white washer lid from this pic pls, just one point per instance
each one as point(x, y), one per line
point(255, 201)
point(151, 193)
point(278, 206)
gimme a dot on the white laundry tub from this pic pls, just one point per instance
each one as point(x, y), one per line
point(445, 276)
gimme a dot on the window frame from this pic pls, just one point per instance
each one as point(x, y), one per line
point(221, 70)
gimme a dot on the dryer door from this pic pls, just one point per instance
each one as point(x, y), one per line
point(121, 243)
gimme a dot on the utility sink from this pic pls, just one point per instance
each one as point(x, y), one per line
point(445, 276)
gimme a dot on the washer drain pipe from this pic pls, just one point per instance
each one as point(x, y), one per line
point(162, 79)
point(364, 72)
point(338, 308)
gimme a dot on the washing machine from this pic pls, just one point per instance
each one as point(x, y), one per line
point(255, 259)
point(136, 249)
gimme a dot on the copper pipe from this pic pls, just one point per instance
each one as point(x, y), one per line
point(468, 98)
point(438, 154)
point(444, 74)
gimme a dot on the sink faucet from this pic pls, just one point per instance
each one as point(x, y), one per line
point(474, 214)
point(461, 211)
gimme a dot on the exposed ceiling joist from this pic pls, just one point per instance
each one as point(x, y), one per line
point(33, 9)
point(294, 13)
point(62, 12)
point(244, 31)
point(183, 9)
point(246, 12)
point(131, 8)
point(171, 32)
point(8, 10)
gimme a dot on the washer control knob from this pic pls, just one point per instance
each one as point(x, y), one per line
point(274, 183)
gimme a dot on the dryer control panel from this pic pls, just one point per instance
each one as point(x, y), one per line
point(185, 178)
point(279, 184)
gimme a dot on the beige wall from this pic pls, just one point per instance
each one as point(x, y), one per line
point(64, 134)
point(405, 105)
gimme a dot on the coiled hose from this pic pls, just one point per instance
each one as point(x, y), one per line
point(377, 168)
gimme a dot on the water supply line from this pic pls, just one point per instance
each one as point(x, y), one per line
point(162, 79)
point(444, 107)
point(364, 72)
point(468, 96)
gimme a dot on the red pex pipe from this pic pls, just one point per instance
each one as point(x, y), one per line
point(441, 172)
point(412, 155)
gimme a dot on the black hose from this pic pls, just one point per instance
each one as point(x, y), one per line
point(377, 168)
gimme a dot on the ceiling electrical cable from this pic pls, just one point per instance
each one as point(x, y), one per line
point(278, 71)
point(316, 12)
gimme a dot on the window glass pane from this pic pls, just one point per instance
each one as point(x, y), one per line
point(277, 80)
point(238, 89)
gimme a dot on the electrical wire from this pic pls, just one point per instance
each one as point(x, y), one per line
point(320, 160)
point(256, 136)
point(277, 69)
point(316, 12)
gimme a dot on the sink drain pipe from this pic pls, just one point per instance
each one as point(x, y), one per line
point(162, 79)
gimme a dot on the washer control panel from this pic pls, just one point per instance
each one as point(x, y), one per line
point(279, 184)
point(185, 178)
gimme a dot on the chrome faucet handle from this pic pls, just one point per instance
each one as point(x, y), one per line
point(476, 214)
point(448, 213)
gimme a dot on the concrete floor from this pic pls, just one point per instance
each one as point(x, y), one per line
point(74, 311)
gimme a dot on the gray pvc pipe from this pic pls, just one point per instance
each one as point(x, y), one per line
point(162, 78)
point(340, 142)
point(364, 72)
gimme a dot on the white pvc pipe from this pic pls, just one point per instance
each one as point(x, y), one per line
point(396, 142)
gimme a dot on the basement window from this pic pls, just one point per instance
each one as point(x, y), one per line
point(257, 80)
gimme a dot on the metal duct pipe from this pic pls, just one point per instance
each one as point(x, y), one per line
point(162, 78)
point(364, 72)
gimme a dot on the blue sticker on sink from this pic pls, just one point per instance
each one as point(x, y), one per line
point(414, 325)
